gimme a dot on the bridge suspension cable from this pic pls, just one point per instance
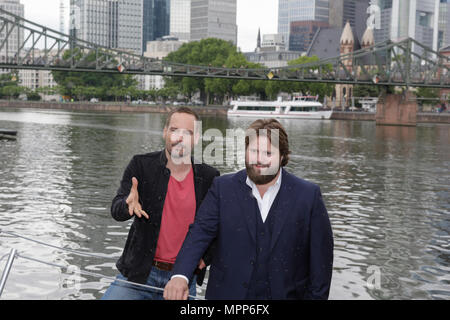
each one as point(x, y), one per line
point(14, 254)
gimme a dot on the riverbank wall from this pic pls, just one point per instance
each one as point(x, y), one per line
point(110, 107)
point(201, 110)
point(367, 116)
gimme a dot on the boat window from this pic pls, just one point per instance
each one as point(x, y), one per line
point(304, 109)
point(256, 108)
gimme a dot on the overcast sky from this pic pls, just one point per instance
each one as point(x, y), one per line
point(251, 15)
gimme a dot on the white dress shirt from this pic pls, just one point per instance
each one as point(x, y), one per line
point(264, 203)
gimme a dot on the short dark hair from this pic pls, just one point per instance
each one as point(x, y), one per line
point(181, 110)
point(271, 124)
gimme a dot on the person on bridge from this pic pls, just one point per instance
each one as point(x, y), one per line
point(273, 233)
point(162, 191)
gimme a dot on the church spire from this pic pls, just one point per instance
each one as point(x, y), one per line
point(258, 40)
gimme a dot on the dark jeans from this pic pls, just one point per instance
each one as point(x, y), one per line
point(123, 291)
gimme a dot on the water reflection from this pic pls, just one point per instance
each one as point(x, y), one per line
point(386, 188)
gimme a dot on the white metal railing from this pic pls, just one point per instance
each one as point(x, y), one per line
point(13, 254)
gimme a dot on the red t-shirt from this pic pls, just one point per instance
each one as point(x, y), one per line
point(178, 214)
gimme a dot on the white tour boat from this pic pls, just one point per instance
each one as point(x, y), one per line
point(301, 107)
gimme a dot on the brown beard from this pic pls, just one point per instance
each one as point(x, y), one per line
point(170, 146)
point(259, 179)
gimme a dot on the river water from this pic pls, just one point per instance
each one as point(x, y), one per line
point(387, 191)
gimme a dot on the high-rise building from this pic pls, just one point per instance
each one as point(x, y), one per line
point(444, 24)
point(110, 23)
point(213, 19)
point(180, 19)
point(16, 36)
point(301, 34)
point(300, 10)
point(353, 11)
point(90, 21)
point(130, 25)
point(402, 19)
point(156, 20)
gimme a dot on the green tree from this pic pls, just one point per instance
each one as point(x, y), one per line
point(86, 85)
point(312, 88)
point(9, 86)
point(214, 53)
point(366, 91)
point(427, 93)
point(12, 91)
point(32, 95)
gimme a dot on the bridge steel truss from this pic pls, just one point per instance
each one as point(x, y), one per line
point(403, 63)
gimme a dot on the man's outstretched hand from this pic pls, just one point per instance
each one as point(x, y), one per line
point(134, 207)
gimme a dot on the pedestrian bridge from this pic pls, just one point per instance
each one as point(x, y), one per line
point(403, 63)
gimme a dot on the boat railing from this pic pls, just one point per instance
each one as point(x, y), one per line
point(13, 254)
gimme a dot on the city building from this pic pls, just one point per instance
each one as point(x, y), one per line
point(414, 19)
point(445, 93)
point(271, 52)
point(180, 19)
point(16, 36)
point(35, 79)
point(353, 11)
point(301, 34)
point(158, 49)
point(156, 20)
point(272, 42)
point(213, 19)
point(444, 24)
point(300, 10)
point(116, 24)
point(325, 43)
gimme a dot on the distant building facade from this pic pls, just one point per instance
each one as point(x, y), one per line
point(180, 19)
point(116, 24)
point(158, 49)
point(156, 20)
point(415, 19)
point(353, 11)
point(300, 10)
point(16, 36)
point(325, 43)
point(214, 19)
point(271, 52)
point(301, 34)
point(35, 79)
point(444, 24)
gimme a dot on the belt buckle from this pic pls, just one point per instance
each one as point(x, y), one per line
point(158, 264)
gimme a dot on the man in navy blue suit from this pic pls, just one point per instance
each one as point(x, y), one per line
point(274, 237)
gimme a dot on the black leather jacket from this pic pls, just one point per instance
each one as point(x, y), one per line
point(153, 177)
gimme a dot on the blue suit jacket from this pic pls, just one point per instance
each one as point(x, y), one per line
point(301, 250)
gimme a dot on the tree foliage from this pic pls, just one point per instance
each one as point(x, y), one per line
point(86, 85)
point(214, 53)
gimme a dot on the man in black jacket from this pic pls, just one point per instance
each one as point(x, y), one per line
point(163, 191)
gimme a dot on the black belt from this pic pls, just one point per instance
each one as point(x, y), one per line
point(165, 266)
